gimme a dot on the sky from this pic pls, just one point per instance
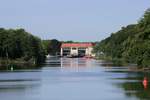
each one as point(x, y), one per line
point(77, 20)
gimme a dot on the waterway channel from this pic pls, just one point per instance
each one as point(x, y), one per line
point(74, 79)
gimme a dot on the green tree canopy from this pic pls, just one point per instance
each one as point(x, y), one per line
point(17, 43)
point(131, 43)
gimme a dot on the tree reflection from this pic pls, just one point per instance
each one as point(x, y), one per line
point(133, 86)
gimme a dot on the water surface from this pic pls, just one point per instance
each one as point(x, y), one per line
point(74, 79)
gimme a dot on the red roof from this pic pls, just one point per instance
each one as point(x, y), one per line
point(77, 45)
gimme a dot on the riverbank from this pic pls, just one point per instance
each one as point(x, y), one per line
point(133, 67)
point(114, 61)
point(16, 64)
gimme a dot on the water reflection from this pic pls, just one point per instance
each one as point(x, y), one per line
point(135, 89)
point(52, 62)
point(75, 79)
point(75, 62)
point(134, 84)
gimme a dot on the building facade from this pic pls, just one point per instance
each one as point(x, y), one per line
point(77, 49)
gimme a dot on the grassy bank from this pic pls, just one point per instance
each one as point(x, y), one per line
point(115, 61)
point(123, 62)
point(16, 64)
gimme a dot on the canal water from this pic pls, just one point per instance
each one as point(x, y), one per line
point(74, 79)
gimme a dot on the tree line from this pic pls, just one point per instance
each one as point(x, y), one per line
point(130, 44)
point(19, 44)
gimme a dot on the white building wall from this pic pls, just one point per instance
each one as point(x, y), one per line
point(61, 52)
point(88, 51)
point(74, 51)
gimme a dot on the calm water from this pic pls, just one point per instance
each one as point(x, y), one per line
point(74, 79)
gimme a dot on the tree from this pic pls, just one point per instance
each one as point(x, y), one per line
point(19, 44)
point(52, 47)
point(131, 43)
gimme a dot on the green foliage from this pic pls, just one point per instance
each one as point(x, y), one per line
point(52, 47)
point(18, 43)
point(131, 43)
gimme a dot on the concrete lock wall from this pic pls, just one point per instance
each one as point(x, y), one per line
point(75, 51)
point(89, 51)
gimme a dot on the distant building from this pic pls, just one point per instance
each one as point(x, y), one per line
point(77, 49)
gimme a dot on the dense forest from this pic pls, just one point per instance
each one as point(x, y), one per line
point(20, 45)
point(130, 44)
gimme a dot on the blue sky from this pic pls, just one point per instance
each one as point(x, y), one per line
point(78, 20)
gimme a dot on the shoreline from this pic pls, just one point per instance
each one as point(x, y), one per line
point(121, 62)
point(16, 64)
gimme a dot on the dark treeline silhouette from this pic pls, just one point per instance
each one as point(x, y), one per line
point(19, 44)
point(52, 47)
point(131, 43)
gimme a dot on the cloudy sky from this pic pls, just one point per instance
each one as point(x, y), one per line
point(78, 20)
